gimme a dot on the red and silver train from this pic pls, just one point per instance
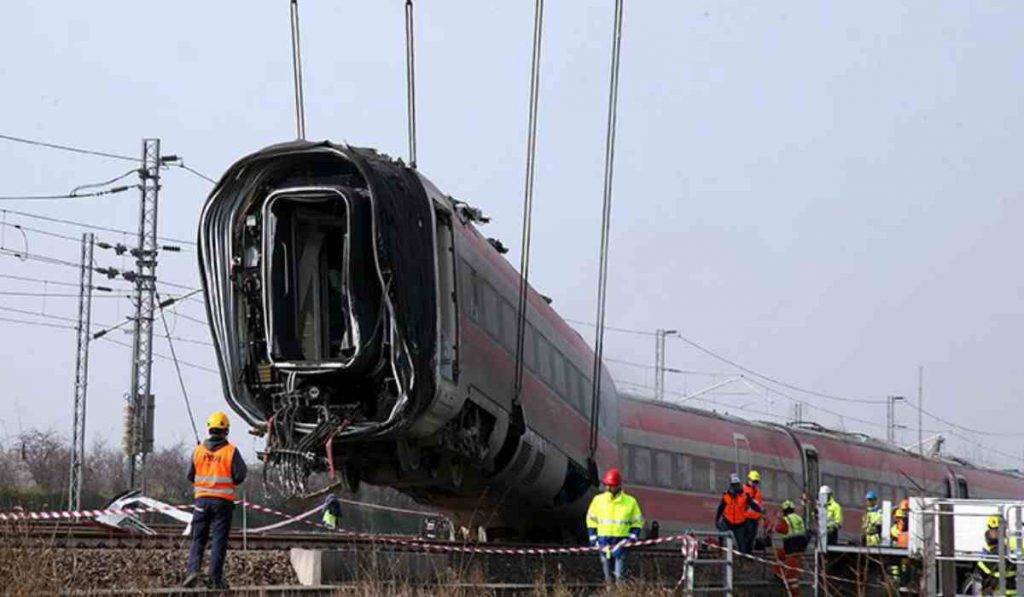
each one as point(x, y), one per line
point(364, 326)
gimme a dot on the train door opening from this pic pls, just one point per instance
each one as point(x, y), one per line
point(743, 458)
point(812, 482)
point(307, 278)
point(961, 488)
point(447, 297)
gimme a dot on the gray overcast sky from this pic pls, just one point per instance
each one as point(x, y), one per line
point(827, 193)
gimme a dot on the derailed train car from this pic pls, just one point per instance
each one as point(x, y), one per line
point(364, 325)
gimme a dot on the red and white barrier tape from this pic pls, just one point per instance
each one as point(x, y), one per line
point(407, 542)
point(78, 514)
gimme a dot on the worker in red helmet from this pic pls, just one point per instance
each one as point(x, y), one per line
point(613, 520)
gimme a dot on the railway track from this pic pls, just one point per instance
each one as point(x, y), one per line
point(88, 534)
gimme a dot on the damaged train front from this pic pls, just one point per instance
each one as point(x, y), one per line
point(320, 301)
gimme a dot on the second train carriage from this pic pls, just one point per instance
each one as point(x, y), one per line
point(678, 460)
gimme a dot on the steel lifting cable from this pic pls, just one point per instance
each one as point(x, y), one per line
point(410, 81)
point(602, 279)
point(300, 113)
point(524, 258)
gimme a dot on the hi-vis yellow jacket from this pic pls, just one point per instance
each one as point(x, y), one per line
point(614, 517)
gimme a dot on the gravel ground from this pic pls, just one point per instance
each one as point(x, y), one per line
point(31, 571)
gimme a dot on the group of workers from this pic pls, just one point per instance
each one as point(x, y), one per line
point(613, 520)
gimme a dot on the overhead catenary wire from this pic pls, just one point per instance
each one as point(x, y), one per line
point(90, 226)
point(606, 213)
point(527, 225)
point(104, 183)
point(81, 150)
point(112, 191)
point(741, 367)
point(177, 368)
point(165, 357)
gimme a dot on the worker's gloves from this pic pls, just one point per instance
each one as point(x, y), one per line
point(634, 536)
point(593, 539)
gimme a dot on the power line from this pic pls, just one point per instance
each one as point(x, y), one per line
point(91, 226)
point(728, 361)
point(40, 231)
point(193, 171)
point(40, 280)
point(70, 148)
point(963, 428)
point(165, 357)
point(60, 295)
point(104, 183)
point(112, 191)
point(37, 323)
point(177, 368)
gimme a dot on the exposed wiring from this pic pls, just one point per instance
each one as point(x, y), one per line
point(71, 148)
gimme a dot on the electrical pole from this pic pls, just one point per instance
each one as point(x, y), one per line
point(920, 417)
point(139, 407)
point(81, 373)
point(659, 362)
point(890, 419)
point(798, 412)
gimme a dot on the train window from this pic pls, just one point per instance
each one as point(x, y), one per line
point(544, 351)
point(641, 465)
point(961, 485)
point(684, 472)
point(558, 362)
point(702, 475)
point(663, 469)
point(583, 394)
point(530, 347)
point(492, 311)
point(723, 470)
point(571, 379)
point(509, 321)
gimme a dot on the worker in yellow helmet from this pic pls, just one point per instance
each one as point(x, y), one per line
point(217, 468)
point(990, 569)
point(753, 490)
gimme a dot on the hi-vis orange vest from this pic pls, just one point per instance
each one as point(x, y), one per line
point(213, 472)
point(736, 507)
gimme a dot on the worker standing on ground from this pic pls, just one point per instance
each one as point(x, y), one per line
point(833, 515)
point(217, 468)
point(332, 511)
point(753, 490)
point(613, 519)
point(871, 524)
point(990, 569)
point(794, 542)
point(733, 513)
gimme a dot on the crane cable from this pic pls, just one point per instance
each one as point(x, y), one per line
point(518, 420)
point(602, 280)
point(410, 81)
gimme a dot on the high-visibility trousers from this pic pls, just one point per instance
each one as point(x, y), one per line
point(788, 571)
